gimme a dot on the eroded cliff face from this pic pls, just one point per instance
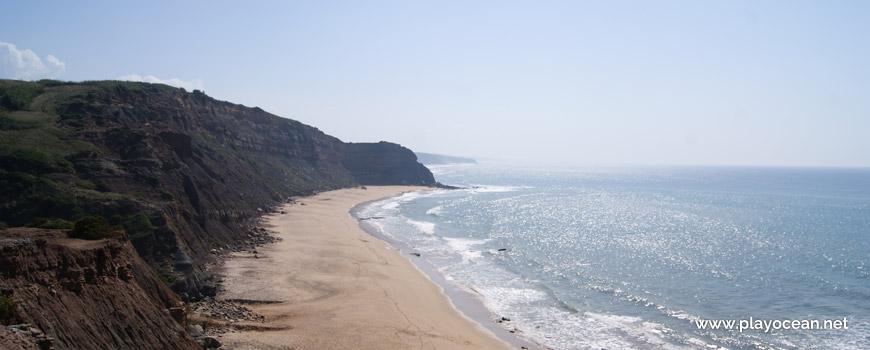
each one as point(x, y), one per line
point(184, 174)
point(217, 161)
point(88, 294)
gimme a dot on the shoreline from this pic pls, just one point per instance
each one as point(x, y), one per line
point(463, 298)
point(329, 284)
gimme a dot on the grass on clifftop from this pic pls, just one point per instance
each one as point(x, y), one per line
point(48, 176)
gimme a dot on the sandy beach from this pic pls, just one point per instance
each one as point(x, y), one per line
point(330, 285)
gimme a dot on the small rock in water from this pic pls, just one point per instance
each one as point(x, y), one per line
point(502, 249)
point(415, 254)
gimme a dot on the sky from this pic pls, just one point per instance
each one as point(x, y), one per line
point(755, 83)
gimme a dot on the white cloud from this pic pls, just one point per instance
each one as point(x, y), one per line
point(26, 65)
point(187, 84)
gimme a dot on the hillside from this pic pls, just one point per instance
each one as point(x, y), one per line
point(182, 173)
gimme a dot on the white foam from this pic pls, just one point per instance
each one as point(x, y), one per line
point(463, 246)
point(554, 326)
point(505, 298)
point(435, 211)
point(388, 205)
point(407, 197)
point(488, 189)
point(591, 330)
point(393, 203)
point(426, 227)
point(378, 226)
point(856, 337)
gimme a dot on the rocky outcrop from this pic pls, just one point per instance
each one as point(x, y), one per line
point(88, 294)
point(22, 337)
point(384, 163)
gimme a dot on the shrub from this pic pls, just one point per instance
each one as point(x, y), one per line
point(102, 186)
point(8, 310)
point(166, 196)
point(84, 161)
point(166, 277)
point(91, 227)
point(127, 142)
point(85, 184)
point(60, 224)
point(50, 223)
point(137, 225)
point(52, 82)
point(152, 181)
point(87, 166)
point(25, 196)
point(19, 96)
point(33, 161)
point(27, 160)
point(9, 123)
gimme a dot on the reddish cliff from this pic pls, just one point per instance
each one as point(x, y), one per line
point(88, 294)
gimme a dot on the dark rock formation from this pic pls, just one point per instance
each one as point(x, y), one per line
point(88, 294)
point(384, 163)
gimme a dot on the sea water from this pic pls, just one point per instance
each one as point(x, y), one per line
point(635, 258)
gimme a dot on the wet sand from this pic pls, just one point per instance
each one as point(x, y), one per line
point(330, 285)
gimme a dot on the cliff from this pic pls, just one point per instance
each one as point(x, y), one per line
point(385, 163)
point(88, 294)
point(181, 172)
point(184, 175)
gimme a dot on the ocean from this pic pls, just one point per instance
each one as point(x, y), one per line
point(637, 258)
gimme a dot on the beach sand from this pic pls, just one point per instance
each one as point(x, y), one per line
point(330, 285)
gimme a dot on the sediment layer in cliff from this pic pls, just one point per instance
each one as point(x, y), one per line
point(88, 294)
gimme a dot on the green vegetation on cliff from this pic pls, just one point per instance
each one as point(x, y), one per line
point(8, 310)
point(180, 172)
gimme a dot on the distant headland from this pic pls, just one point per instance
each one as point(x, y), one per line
point(440, 159)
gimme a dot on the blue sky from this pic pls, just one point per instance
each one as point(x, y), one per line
point(578, 82)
